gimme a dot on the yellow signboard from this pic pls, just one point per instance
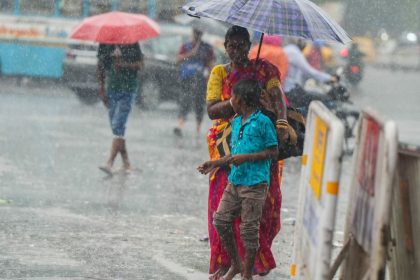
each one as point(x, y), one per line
point(318, 156)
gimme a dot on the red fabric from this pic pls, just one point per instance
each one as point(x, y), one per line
point(270, 223)
point(264, 73)
point(116, 28)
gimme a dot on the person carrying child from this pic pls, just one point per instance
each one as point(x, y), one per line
point(254, 145)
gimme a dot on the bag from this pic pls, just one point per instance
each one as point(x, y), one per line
point(296, 129)
point(293, 147)
point(223, 140)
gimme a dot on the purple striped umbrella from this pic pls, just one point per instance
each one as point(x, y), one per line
point(295, 18)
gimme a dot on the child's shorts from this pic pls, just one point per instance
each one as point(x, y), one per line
point(120, 104)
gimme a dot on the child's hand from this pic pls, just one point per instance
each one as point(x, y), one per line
point(238, 159)
point(206, 167)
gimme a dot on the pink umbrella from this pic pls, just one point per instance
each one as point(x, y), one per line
point(116, 28)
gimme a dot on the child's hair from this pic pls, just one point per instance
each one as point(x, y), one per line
point(250, 91)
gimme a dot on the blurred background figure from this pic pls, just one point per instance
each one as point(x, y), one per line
point(320, 56)
point(272, 51)
point(355, 66)
point(117, 69)
point(313, 54)
point(299, 70)
point(195, 59)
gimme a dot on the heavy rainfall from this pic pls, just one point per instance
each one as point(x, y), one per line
point(109, 107)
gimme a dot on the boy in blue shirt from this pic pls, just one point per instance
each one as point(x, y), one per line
point(253, 147)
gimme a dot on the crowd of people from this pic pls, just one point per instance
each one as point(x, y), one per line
point(242, 98)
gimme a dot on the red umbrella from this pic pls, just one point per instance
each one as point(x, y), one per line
point(116, 28)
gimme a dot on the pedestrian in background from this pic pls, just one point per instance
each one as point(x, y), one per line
point(271, 50)
point(196, 59)
point(117, 70)
point(313, 54)
point(299, 71)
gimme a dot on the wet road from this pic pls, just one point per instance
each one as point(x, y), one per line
point(61, 218)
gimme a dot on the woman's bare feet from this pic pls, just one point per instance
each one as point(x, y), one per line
point(219, 273)
point(233, 270)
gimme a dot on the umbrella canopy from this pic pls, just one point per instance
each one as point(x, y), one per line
point(116, 28)
point(296, 18)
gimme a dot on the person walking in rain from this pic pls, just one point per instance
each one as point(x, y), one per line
point(219, 108)
point(195, 59)
point(254, 146)
point(117, 70)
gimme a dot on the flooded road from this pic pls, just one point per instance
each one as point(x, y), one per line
point(62, 218)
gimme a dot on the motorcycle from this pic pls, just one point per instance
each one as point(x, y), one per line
point(335, 97)
point(355, 66)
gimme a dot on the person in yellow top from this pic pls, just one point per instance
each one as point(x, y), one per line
point(220, 110)
point(272, 51)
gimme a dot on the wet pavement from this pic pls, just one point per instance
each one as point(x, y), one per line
point(62, 218)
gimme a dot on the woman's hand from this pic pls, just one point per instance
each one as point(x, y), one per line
point(282, 134)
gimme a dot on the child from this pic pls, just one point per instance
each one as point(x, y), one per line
point(253, 146)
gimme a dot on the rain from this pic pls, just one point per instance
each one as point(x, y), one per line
point(63, 217)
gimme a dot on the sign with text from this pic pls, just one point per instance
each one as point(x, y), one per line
point(319, 184)
point(374, 162)
point(35, 28)
point(318, 150)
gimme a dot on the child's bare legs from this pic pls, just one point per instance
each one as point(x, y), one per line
point(249, 263)
point(228, 209)
point(253, 199)
point(230, 247)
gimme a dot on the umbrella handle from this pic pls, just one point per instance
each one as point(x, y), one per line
point(258, 54)
point(259, 47)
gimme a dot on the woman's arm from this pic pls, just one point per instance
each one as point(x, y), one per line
point(219, 109)
point(279, 102)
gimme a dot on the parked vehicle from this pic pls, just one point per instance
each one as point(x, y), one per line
point(34, 34)
point(159, 78)
point(336, 98)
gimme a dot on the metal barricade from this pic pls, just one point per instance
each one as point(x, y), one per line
point(368, 215)
point(319, 186)
point(404, 248)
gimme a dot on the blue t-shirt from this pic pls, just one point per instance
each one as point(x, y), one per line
point(255, 135)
